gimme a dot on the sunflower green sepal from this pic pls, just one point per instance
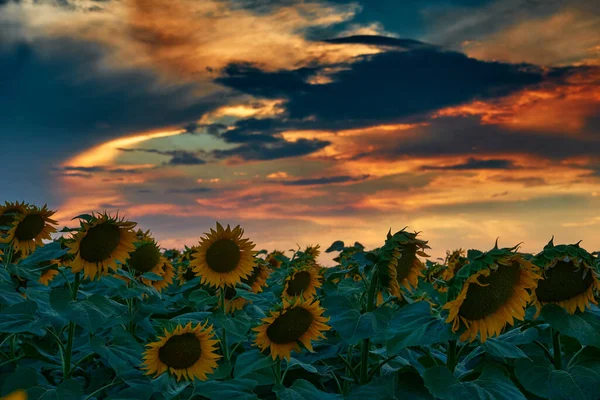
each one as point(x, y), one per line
point(490, 291)
point(398, 264)
point(571, 277)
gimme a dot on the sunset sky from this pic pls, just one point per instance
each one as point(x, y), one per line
point(308, 121)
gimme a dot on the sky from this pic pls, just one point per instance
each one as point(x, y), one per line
point(308, 122)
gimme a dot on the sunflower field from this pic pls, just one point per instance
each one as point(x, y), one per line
point(103, 312)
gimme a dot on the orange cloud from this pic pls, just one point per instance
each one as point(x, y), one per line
point(569, 37)
point(560, 108)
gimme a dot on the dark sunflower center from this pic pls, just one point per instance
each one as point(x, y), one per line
point(298, 283)
point(563, 282)
point(145, 258)
point(223, 256)
point(181, 351)
point(30, 227)
point(252, 278)
point(100, 242)
point(273, 262)
point(405, 262)
point(482, 301)
point(289, 327)
point(189, 274)
point(457, 265)
point(8, 216)
point(230, 292)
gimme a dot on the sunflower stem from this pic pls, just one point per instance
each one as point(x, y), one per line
point(8, 257)
point(71, 332)
point(556, 348)
point(364, 359)
point(224, 335)
point(277, 371)
point(452, 356)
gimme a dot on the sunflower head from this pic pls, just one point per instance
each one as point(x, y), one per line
point(491, 290)
point(232, 301)
point(16, 395)
point(313, 251)
point(303, 281)
point(9, 212)
point(143, 236)
point(100, 243)
point(223, 257)
point(172, 254)
point(571, 277)
point(398, 261)
point(257, 280)
point(30, 228)
point(298, 321)
point(185, 352)
point(147, 257)
point(275, 259)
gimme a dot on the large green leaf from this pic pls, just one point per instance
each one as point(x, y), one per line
point(414, 325)
point(405, 386)
point(493, 384)
point(91, 314)
point(239, 389)
point(346, 319)
point(499, 348)
point(21, 317)
point(303, 390)
point(579, 381)
point(250, 361)
point(585, 327)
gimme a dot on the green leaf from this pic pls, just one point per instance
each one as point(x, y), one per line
point(93, 313)
point(338, 245)
point(250, 361)
point(199, 316)
point(414, 325)
point(347, 320)
point(493, 384)
point(303, 390)
point(23, 379)
point(578, 382)
point(405, 386)
point(238, 389)
point(502, 349)
point(534, 375)
point(585, 327)
point(307, 367)
point(21, 317)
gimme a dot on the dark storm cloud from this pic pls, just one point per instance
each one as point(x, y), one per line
point(384, 87)
point(55, 86)
point(326, 180)
point(253, 130)
point(99, 169)
point(466, 135)
point(376, 40)
point(474, 163)
point(178, 157)
point(272, 151)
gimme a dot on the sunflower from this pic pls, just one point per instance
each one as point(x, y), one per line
point(313, 251)
point(570, 278)
point(258, 278)
point(399, 265)
point(490, 292)
point(185, 352)
point(48, 276)
point(231, 302)
point(223, 257)
point(274, 259)
point(148, 258)
point(185, 274)
point(143, 236)
point(100, 243)
point(9, 211)
point(298, 321)
point(16, 395)
point(303, 281)
point(30, 228)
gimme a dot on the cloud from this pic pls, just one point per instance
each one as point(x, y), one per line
point(376, 40)
point(325, 180)
point(178, 157)
point(473, 163)
point(272, 151)
point(197, 190)
point(384, 87)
